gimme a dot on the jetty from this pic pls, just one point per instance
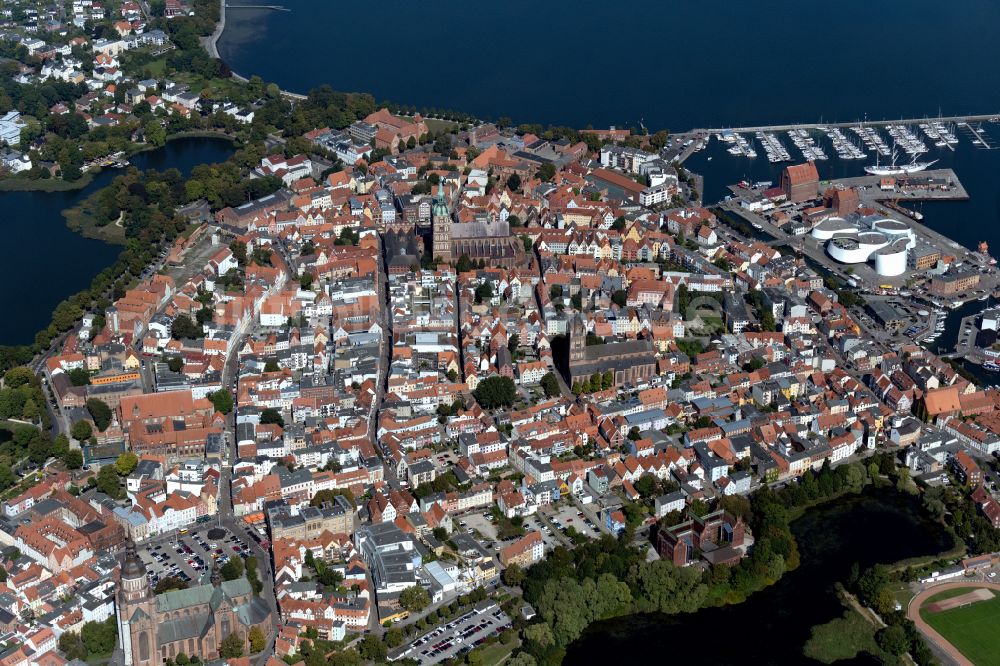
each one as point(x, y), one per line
point(277, 8)
point(968, 120)
point(978, 138)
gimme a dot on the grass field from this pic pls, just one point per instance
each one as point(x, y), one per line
point(497, 653)
point(971, 629)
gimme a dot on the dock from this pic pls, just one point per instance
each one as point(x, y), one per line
point(277, 8)
point(959, 120)
point(978, 137)
point(910, 187)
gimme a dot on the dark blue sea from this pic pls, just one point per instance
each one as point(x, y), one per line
point(674, 64)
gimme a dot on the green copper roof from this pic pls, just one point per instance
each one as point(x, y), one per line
point(200, 594)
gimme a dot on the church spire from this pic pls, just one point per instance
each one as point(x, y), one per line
point(216, 577)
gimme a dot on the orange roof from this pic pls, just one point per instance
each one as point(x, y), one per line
point(942, 400)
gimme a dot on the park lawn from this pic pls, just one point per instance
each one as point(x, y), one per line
point(901, 592)
point(157, 67)
point(971, 629)
point(497, 653)
point(437, 126)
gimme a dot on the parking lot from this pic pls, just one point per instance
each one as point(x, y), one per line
point(476, 521)
point(535, 524)
point(445, 460)
point(188, 556)
point(459, 636)
point(567, 515)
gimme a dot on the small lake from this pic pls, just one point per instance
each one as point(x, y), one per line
point(772, 626)
point(46, 261)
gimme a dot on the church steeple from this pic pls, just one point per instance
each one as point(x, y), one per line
point(134, 581)
point(216, 577)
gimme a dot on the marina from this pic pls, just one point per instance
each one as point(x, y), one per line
point(979, 138)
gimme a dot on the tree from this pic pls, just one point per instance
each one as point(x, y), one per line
point(81, 430)
point(60, 446)
point(108, 481)
point(414, 598)
point(169, 583)
point(550, 384)
point(126, 463)
point(79, 377)
point(539, 633)
point(464, 264)
point(893, 639)
point(646, 485)
point(231, 647)
point(271, 415)
point(72, 646)
point(324, 496)
point(183, 327)
point(74, 459)
point(372, 649)
point(156, 134)
point(272, 366)
point(175, 363)
point(496, 391)
point(607, 379)
point(394, 637)
point(239, 250)
point(18, 376)
point(257, 641)
point(513, 575)
point(99, 637)
point(522, 659)
point(546, 172)
point(484, 292)
point(222, 400)
point(232, 569)
point(514, 182)
point(100, 413)
point(619, 297)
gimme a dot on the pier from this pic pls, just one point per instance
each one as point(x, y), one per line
point(967, 120)
point(979, 139)
point(277, 8)
point(907, 188)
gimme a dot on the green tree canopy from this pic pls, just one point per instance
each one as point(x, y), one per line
point(496, 391)
point(81, 430)
point(126, 463)
point(232, 569)
point(231, 647)
point(108, 481)
point(100, 413)
point(271, 415)
point(550, 384)
point(414, 598)
point(222, 400)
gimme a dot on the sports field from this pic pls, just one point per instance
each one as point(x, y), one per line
point(970, 627)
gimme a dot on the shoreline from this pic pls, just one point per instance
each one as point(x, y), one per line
point(211, 45)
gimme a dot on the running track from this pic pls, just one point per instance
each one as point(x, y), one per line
point(937, 640)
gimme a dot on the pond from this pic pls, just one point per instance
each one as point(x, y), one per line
point(45, 261)
point(772, 626)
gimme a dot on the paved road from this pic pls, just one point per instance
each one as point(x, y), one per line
point(942, 647)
